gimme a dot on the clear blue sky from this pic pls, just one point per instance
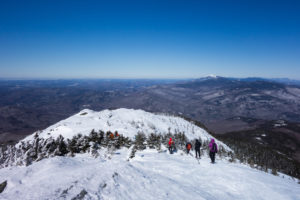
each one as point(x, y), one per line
point(149, 39)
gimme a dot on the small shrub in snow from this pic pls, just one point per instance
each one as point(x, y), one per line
point(3, 186)
point(274, 171)
point(132, 152)
point(180, 140)
point(140, 141)
point(39, 148)
point(27, 152)
point(154, 141)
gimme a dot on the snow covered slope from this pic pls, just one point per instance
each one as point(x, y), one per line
point(127, 122)
point(149, 175)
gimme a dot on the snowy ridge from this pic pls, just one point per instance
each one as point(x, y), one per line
point(149, 174)
point(127, 122)
point(89, 131)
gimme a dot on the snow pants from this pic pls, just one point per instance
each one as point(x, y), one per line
point(170, 149)
point(197, 152)
point(212, 156)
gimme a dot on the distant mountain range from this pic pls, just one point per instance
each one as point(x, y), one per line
point(222, 104)
point(253, 79)
point(245, 108)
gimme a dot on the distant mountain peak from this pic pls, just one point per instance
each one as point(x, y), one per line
point(212, 76)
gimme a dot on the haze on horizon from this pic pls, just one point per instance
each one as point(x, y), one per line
point(149, 39)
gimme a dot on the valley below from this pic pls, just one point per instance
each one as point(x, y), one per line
point(240, 109)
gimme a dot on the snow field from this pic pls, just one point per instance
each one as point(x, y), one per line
point(149, 175)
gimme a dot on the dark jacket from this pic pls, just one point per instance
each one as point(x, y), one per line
point(197, 145)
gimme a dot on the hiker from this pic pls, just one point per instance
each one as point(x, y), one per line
point(171, 145)
point(111, 136)
point(188, 147)
point(197, 148)
point(116, 134)
point(213, 149)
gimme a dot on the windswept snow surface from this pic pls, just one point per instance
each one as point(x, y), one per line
point(149, 175)
point(126, 121)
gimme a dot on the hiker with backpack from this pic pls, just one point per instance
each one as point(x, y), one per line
point(188, 147)
point(213, 149)
point(171, 146)
point(116, 134)
point(197, 148)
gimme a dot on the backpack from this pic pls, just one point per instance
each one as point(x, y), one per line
point(197, 145)
point(214, 147)
point(189, 146)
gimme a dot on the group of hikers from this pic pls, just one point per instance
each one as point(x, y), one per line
point(213, 148)
point(112, 135)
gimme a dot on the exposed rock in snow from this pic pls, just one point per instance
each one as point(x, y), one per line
point(3, 186)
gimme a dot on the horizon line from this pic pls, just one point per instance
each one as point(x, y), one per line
point(133, 78)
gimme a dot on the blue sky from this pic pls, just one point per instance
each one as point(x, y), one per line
point(149, 39)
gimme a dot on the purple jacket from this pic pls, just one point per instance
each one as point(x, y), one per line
point(211, 145)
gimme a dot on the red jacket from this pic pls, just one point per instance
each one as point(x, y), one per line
point(188, 146)
point(170, 142)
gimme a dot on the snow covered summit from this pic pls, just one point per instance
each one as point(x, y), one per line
point(54, 171)
point(127, 122)
point(89, 131)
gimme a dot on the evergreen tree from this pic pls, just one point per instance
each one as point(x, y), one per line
point(140, 141)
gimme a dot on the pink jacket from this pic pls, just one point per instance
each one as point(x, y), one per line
point(211, 145)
